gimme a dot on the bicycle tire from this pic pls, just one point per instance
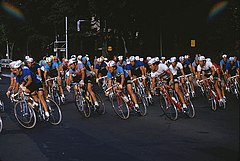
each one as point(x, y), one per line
point(28, 119)
point(1, 124)
point(101, 109)
point(142, 105)
point(55, 113)
point(213, 102)
point(236, 85)
point(56, 97)
point(82, 105)
point(2, 108)
point(119, 106)
point(190, 108)
point(168, 107)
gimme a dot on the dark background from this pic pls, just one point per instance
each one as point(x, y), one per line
point(179, 21)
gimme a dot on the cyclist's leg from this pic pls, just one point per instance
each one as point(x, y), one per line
point(59, 81)
point(132, 94)
point(184, 86)
point(89, 88)
point(180, 94)
point(190, 78)
point(219, 92)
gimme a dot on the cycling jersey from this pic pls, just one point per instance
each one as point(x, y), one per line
point(232, 68)
point(223, 64)
point(102, 68)
point(135, 70)
point(186, 68)
point(34, 68)
point(118, 73)
point(161, 72)
point(87, 66)
point(52, 69)
point(176, 70)
point(206, 68)
point(76, 74)
point(36, 83)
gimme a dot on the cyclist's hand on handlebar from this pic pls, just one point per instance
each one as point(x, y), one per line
point(120, 86)
point(8, 93)
point(170, 82)
point(97, 80)
point(197, 82)
point(143, 77)
point(81, 83)
point(211, 78)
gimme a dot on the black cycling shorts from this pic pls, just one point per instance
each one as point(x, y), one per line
point(35, 87)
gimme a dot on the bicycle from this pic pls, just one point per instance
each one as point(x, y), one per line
point(170, 103)
point(188, 85)
point(119, 103)
point(234, 85)
point(23, 110)
point(1, 124)
point(54, 91)
point(139, 88)
point(211, 94)
point(85, 103)
point(2, 107)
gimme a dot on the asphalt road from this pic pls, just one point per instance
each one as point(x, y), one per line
point(210, 136)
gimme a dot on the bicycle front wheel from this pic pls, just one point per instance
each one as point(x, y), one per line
point(213, 102)
point(190, 112)
point(168, 108)
point(82, 105)
point(1, 106)
point(119, 106)
point(25, 115)
point(1, 124)
point(101, 109)
point(142, 105)
point(55, 112)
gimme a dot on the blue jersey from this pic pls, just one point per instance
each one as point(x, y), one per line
point(52, 67)
point(24, 77)
point(101, 67)
point(223, 64)
point(186, 67)
point(233, 66)
point(135, 70)
point(119, 72)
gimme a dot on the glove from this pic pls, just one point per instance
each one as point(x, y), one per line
point(171, 82)
point(68, 88)
point(81, 82)
point(197, 82)
point(23, 88)
point(211, 77)
point(120, 86)
point(97, 80)
point(8, 93)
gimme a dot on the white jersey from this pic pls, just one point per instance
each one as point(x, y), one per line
point(206, 67)
point(162, 68)
point(175, 70)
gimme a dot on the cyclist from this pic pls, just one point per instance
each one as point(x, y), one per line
point(188, 69)
point(123, 78)
point(51, 70)
point(75, 74)
point(121, 62)
point(177, 70)
point(29, 83)
point(12, 80)
point(159, 71)
point(100, 68)
point(136, 69)
point(87, 77)
point(207, 69)
point(34, 67)
point(232, 68)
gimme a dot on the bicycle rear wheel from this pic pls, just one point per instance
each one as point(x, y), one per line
point(82, 105)
point(142, 105)
point(119, 106)
point(1, 124)
point(190, 112)
point(168, 108)
point(101, 109)
point(1, 106)
point(55, 112)
point(56, 97)
point(25, 115)
point(213, 102)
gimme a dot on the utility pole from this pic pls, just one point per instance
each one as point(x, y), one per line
point(66, 38)
point(161, 54)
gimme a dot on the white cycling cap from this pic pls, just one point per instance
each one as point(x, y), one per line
point(120, 57)
point(48, 59)
point(137, 58)
point(71, 61)
point(30, 60)
point(201, 58)
point(173, 59)
point(17, 64)
point(151, 61)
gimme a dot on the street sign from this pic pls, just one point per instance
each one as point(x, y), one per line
point(193, 43)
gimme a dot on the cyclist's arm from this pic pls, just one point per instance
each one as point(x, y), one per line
point(45, 74)
point(39, 72)
point(129, 73)
point(182, 71)
point(153, 82)
point(96, 71)
point(58, 70)
point(83, 73)
point(122, 79)
point(191, 68)
point(213, 70)
point(142, 70)
point(170, 73)
point(29, 81)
